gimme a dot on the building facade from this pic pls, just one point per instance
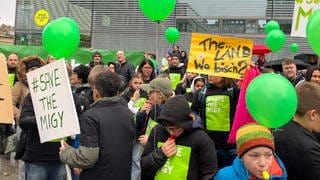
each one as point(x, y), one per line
point(120, 24)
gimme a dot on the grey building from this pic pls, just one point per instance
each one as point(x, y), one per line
point(120, 24)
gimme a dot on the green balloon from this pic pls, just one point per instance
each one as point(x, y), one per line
point(272, 25)
point(275, 40)
point(271, 100)
point(294, 47)
point(61, 37)
point(172, 34)
point(313, 33)
point(157, 10)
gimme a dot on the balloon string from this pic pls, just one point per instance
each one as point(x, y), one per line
point(156, 56)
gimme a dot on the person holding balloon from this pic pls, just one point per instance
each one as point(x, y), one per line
point(176, 149)
point(295, 142)
point(256, 158)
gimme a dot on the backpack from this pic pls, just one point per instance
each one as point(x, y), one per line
point(84, 97)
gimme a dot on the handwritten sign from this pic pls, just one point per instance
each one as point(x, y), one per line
point(6, 109)
point(53, 101)
point(303, 9)
point(219, 55)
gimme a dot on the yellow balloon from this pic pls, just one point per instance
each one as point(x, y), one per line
point(41, 17)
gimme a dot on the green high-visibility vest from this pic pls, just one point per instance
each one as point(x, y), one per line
point(11, 79)
point(139, 103)
point(177, 166)
point(175, 79)
point(151, 123)
point(218, 113)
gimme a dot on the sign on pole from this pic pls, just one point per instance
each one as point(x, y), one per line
point(219, 55)
point(41, 17)
point(53, 101)
point(6, 107)
point(303, 9)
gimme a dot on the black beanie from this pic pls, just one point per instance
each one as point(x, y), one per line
point(176, 111)
point(32, 63)
point(83, 72)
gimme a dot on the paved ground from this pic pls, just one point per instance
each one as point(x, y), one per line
point(8, 167)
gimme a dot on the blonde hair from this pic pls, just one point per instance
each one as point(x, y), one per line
point(96, 70)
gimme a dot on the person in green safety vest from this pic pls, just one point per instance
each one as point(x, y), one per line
point(184, 86)
point(175, 149)
point(176, 70)
point(216, 104)
point(12, 63)
point(159, 90)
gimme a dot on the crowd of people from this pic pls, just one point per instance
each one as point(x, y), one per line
point(154, 122)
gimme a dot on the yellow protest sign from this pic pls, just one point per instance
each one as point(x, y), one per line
point(6, 108)
point(41, 17)
point(219, 55)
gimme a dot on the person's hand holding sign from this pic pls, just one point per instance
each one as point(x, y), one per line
point(63, 146)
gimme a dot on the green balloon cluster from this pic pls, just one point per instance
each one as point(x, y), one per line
point(294, 47)
point(272, 25)
point(271, 100)
point(172, 34)
point(313, 33)
point(157, 10)
point(61, 37)
point(275, 40)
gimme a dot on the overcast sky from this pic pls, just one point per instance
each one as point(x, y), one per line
point(7, 12)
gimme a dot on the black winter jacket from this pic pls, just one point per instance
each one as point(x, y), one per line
point(108, 125)
point(199, 107)
point(203, 160)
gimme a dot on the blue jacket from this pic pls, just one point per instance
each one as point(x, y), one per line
point(238, 172)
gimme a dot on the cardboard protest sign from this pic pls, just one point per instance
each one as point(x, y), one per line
point(53, 101)
point(219, 55)
point(303, 9)
point(6, 107)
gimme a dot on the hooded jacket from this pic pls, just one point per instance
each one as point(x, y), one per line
point(20, 89)
point(190, 95)
point(202, 160)
point(238, 172)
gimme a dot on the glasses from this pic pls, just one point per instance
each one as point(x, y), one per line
point(97, 56)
